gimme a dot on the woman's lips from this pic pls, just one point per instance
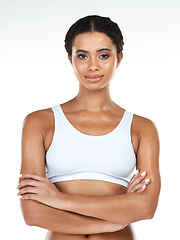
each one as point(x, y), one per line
point(94, 78)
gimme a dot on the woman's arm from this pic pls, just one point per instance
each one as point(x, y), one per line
point(37, 214)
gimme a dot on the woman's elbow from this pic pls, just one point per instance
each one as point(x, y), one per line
point(151, 209)
point(150, 214)
point(29, 220)
point(28, 212)
point(151, 204)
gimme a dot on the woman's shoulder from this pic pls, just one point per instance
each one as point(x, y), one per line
point(144, 125)
point(39, 119)
point(142, 120)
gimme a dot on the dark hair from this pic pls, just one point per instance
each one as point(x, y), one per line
point(94, 23)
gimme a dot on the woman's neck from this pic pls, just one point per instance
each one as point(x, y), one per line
point(94, 100)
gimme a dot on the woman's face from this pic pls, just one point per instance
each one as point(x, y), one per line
point(94, 59)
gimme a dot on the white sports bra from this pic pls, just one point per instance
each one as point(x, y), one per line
point(74, 155)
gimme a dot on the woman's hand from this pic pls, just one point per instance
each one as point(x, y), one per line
point(137, 183)
point(41, 189)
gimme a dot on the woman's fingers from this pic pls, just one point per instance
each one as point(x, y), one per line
point(27, 182)
point(141, 186)
point(31, 190)
point(30, 185)
point(134, 176)
point(137, 182)
point(32, 176)
point(26, 190)
point(132, 180)
point(138, 178)
point(142, 189)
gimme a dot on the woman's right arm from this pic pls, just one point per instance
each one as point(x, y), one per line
point(37, 214)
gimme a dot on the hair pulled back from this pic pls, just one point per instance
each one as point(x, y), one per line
point(94, 23)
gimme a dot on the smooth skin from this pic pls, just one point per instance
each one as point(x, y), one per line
point(76, 208)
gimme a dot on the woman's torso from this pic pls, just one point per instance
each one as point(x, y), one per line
point(90, 187)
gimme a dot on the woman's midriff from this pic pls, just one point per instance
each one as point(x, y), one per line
point(92, 188)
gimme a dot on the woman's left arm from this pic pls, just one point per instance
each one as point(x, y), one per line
point(130, 207)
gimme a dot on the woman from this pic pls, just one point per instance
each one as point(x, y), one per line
point(90, 148)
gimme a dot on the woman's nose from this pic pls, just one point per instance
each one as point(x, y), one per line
point(94, 65)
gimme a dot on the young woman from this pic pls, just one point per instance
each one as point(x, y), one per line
point(78, 158)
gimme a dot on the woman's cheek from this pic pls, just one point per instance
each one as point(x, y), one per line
point(80, 68)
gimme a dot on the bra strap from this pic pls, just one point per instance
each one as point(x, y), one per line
point(127, 122)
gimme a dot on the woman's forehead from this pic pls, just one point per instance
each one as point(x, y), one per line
point(92, 41)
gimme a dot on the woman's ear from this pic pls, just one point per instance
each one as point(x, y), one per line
point(119, 58)
point(70, 59)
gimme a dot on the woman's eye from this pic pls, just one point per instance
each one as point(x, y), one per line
point(82, 56)
point(104, 56)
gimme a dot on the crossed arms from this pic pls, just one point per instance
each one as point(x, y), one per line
point(86, 215)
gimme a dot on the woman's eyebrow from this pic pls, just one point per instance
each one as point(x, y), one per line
point(103, 49)
point(100, 50)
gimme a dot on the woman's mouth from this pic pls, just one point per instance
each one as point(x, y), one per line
point(94, 78)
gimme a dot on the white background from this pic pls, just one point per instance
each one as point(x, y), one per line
point(35, 74)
